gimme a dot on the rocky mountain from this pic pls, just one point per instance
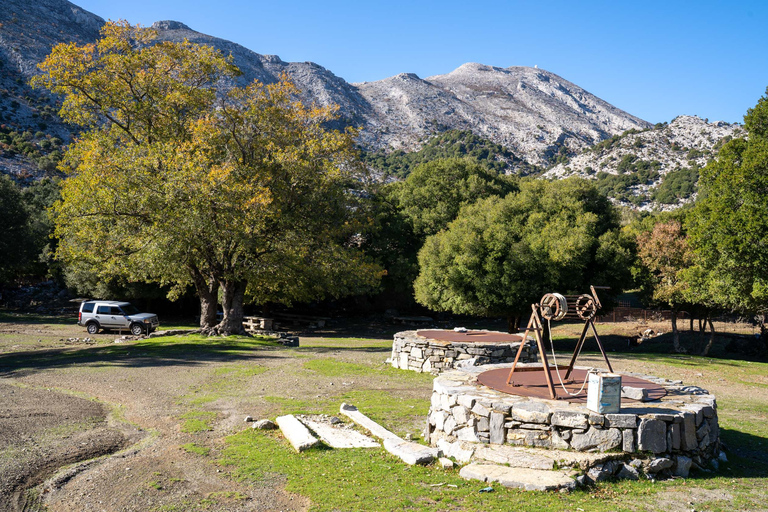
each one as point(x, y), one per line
point(531, 111)
point(537, 116)
point(31, 133)
point(652, 168)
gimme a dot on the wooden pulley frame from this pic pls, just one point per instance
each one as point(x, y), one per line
point(586, 307)
point(553, 306)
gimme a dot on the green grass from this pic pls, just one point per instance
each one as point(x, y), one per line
point(196, 449)
point(333, 368)
point(197, 421)
point(373, 480)
point(225, 381)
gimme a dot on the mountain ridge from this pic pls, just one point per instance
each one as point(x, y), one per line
point(539, 116)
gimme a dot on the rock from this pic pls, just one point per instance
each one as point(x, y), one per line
point(659, 464)
point(410, 453)
point(248, 419)
point(516, 457)
point(497, 428)
point(682, 466)
point(722, 457)
point(570, 419)
point(446, 463)
point(264, 425)
point(601, 439)
point(364, 421)
point(296, 433)
point(639, 394)
point(519, 478)
point(674, 431)
point(628, 441)
point(337, 437)
point(481, 410)
point(621, 420)
point(460, 414)
point(688, 437)
point(531, 412)
point(627, 472)
point(459, 451)
point(467, 434)
point(652, 436)
point(602, 472)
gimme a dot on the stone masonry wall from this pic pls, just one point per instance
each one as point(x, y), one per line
point(413, 352)
point(678, 432)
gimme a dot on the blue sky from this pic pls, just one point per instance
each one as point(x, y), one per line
point(654, 59)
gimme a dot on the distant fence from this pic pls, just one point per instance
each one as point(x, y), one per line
point(627, 314)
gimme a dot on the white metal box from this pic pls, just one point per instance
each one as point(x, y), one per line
point(604, 393)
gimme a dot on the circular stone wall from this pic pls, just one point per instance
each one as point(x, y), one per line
point(670, 435)
point(438, 350)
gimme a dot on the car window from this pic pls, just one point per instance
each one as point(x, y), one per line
point(130, 309)
point(116, 310)
point(88, 307)
point(103, 310)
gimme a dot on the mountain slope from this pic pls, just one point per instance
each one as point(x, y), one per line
point(654, 167)
point(30, 131)
point(530, 111)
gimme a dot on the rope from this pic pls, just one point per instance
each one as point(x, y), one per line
point(563, 307)
point(557, 369)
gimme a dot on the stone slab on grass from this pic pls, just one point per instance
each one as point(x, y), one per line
point(336, 437)
point(534, 458)
point(351, 412)
point(410, 453)
point(296, 433)
point(518, 478)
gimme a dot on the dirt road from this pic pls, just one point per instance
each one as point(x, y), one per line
point(63, 401)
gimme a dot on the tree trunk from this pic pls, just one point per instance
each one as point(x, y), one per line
point(691, 328)
point(675, 334)
point(513, 323)
point(233, 294)
point(708, 346)
point(208, 291)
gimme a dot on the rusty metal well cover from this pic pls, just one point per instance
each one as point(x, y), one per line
point(534, 384)
point(470, 336)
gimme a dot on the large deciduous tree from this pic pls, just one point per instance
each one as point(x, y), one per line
point(502, 254)
point(729, 224)
point(243, 194)
point(665, 255)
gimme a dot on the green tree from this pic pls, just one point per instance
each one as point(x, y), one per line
point(729, 223)
point(425, 202)
point(434, 192)
point(16, 251)
point(244, 194)
point(502, 254)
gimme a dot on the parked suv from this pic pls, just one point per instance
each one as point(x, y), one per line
point(113, 315)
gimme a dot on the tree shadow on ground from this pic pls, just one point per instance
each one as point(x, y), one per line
point(141, 355)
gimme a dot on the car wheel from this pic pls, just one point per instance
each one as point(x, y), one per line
point(137, 329)
point(92, 328)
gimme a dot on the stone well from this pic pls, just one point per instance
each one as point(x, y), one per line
point(668, 435)
point(437, 350)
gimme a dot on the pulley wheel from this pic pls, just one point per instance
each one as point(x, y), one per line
point(586, 307)
point(553, 306)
